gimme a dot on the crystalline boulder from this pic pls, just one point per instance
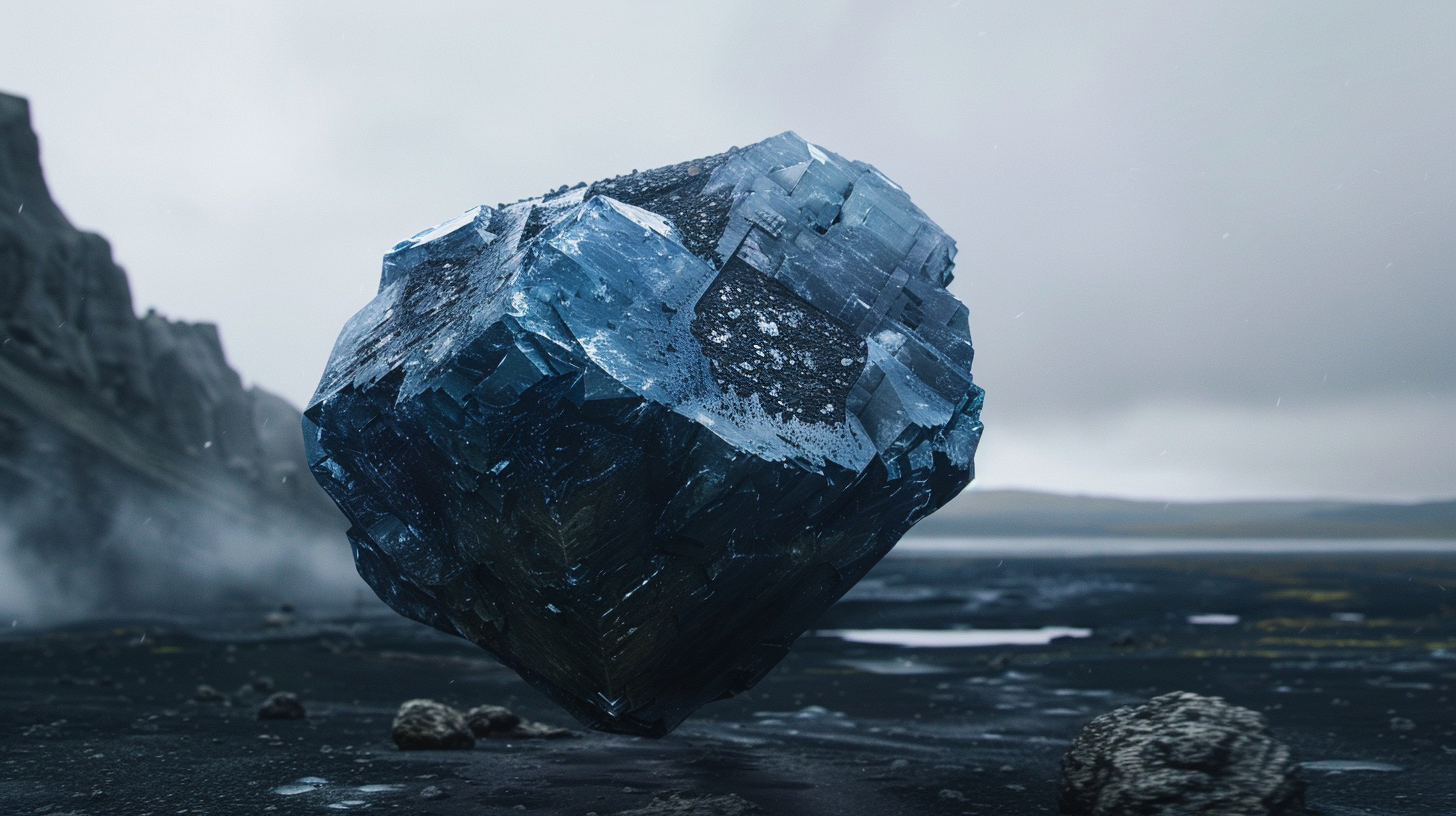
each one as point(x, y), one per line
point(633, 437)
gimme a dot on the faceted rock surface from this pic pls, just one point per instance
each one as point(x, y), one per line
point(1180, 753)
point(633, 437)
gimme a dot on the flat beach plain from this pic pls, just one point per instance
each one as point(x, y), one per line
point(1349, 648)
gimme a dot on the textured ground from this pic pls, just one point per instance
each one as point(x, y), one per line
point(95, 718)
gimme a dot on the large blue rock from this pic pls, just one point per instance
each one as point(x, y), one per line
point(633, 437)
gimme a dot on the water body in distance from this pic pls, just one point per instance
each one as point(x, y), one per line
point(1068, 547)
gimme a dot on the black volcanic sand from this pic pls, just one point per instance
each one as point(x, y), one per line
point(97, 717)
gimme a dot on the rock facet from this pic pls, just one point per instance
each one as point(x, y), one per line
point(1178, 754)
point(633, 437)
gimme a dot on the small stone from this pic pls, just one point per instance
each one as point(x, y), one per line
point(1402, 724)
point(953, 795)
point(536, 730)
point(208, 694)
point(1178, 755)
point(427, 725)
point(498, 721)
point(491, 720)
point(282, 706)
point(260, 685)
point(434, 793)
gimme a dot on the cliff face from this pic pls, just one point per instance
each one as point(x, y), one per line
point(130, 452)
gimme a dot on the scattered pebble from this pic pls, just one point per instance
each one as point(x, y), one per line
point(499, 721)
point(1402, 724)
point(491, 720)
point(434, 793)
point(208, 694)
point(262, 685)
point(282, 706)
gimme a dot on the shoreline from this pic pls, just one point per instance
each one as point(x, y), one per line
point(1113, 546)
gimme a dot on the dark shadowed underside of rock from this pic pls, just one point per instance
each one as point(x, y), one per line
point(1180, 754)
point(633, 437)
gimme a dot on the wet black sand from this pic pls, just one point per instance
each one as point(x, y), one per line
point(96, 718)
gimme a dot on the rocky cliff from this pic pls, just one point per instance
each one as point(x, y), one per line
point(136, 470)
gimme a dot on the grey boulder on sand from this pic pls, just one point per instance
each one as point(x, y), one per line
point(1180, 753)
point(425, 725)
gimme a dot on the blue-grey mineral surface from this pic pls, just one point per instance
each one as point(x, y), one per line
point(632, 437)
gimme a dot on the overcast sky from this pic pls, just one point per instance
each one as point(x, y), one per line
point(1207, 247)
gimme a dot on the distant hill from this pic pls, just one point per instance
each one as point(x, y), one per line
point(992, 513)
point(136, 470)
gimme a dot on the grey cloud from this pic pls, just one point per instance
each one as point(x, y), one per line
point(1213, 204)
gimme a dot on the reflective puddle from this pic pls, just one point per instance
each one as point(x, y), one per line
point(1343, 765)
point(956, 638)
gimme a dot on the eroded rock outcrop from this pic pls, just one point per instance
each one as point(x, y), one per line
point(128, 446)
